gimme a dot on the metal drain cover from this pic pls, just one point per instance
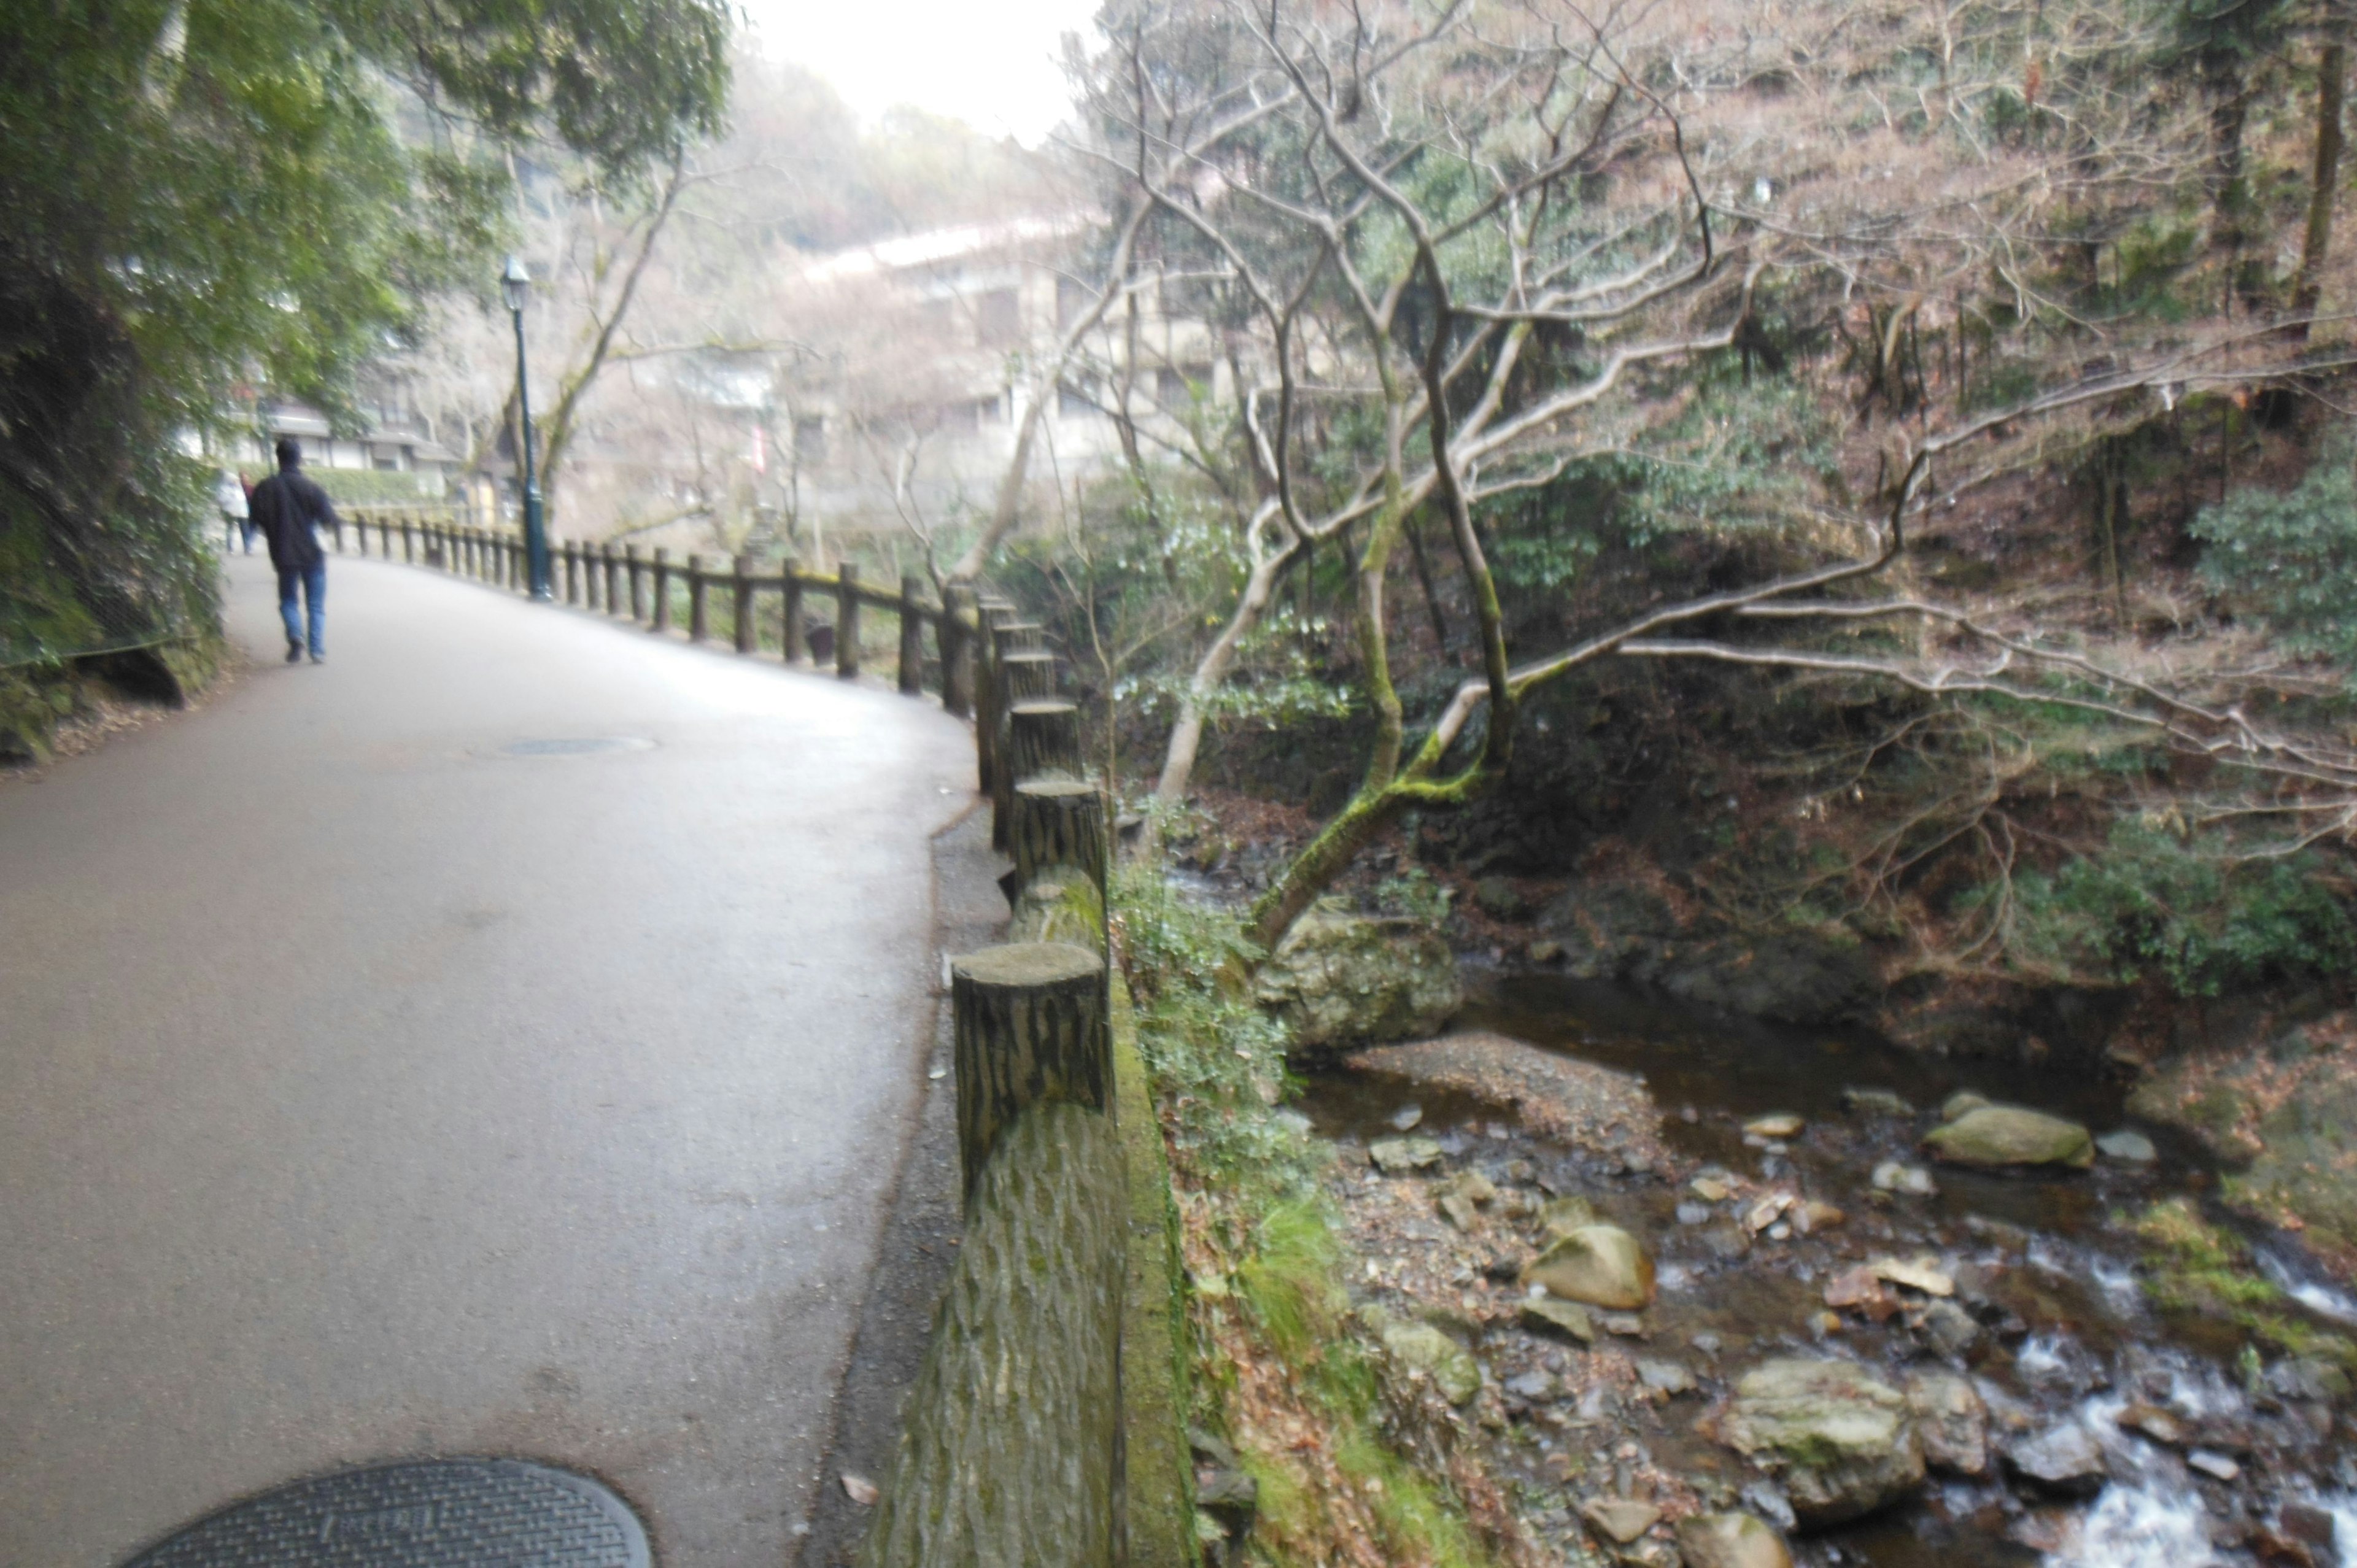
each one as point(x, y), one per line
point(577, 745)
point(431, 1513)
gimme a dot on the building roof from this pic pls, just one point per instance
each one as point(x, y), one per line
point(937, 245)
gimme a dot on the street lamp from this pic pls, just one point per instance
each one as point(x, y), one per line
point(515, 284)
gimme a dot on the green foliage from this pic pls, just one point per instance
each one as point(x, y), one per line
point(1738, 455)
point(1415, 894)
point(2184, 911)
point(2292, 556)
point(1218, 1061)
point(368, 486)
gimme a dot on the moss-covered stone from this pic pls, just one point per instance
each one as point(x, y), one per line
point(1841, 1440)
point(1341, 979)
point(1997, 1135)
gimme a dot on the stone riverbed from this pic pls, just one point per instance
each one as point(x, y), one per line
point(1889, 1358)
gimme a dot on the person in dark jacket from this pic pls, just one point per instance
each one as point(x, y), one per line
point(288, 507)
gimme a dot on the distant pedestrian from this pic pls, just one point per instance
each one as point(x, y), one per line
point(287, 508)
point(230, 491)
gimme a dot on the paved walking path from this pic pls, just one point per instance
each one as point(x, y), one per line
point(370, 1091)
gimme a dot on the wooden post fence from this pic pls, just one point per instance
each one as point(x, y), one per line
point(912, 638)
point(792, 612)
point(740, 605)
point(846, 621)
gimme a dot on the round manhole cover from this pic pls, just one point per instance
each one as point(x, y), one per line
point(432, 1513)
point(575, 745)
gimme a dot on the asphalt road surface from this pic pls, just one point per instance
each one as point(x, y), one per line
point(373, 1090)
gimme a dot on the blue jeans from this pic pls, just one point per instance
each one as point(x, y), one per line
point(313, 582)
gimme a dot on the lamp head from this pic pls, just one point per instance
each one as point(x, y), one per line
point(515, 284)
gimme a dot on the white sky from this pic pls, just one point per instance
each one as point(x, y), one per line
point(991, 63)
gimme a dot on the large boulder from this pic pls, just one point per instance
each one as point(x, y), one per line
point(1601, 1265)
point(1842, 1441)
point(1731, 1540)
point(1339, 980)
point(1626, 931)
point(1556, 1098)
point(2009, 1135)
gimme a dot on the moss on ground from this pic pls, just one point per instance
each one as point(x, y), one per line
point(1278, 1366)
point(2199, 1269)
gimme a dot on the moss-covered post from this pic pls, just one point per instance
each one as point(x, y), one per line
point(912, 637)
point(660, 621)
point(698, 627)
point(846, 621)
point(1030, 1026)
point(740, 603)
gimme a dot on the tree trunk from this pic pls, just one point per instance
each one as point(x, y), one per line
point(1212, 670)
point(2324, 191)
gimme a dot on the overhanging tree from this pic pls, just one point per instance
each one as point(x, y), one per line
point(206, 194)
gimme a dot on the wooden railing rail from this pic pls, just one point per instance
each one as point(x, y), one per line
point(646, 590)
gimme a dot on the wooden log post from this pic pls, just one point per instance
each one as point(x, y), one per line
point(339, 533)
point(1030, 1026)
point(1023, 676)
point(638, 590)
point(409, 539)
point(613, 564)
point(698, 626)
point(1043, 738)
point(740, 604)
point(1058, 821)
point(912, 637)
point(661, 620)
point(846, 621)
point(385, 535)
point(359, 532)
point(572, 572)
point(790, 578)
point(953, 636)
point(466, 551)
point(990, 709)
point(1028, 673)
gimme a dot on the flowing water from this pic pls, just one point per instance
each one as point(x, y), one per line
point(2046, 1263)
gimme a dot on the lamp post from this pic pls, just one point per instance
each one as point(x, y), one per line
point(514, 284)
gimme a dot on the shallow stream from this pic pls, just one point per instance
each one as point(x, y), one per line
point(2046, 1264)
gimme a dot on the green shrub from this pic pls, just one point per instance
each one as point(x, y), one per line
point(2186, 910)
point(369, 487)
point(1217, 1061)
point(2291, 556)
